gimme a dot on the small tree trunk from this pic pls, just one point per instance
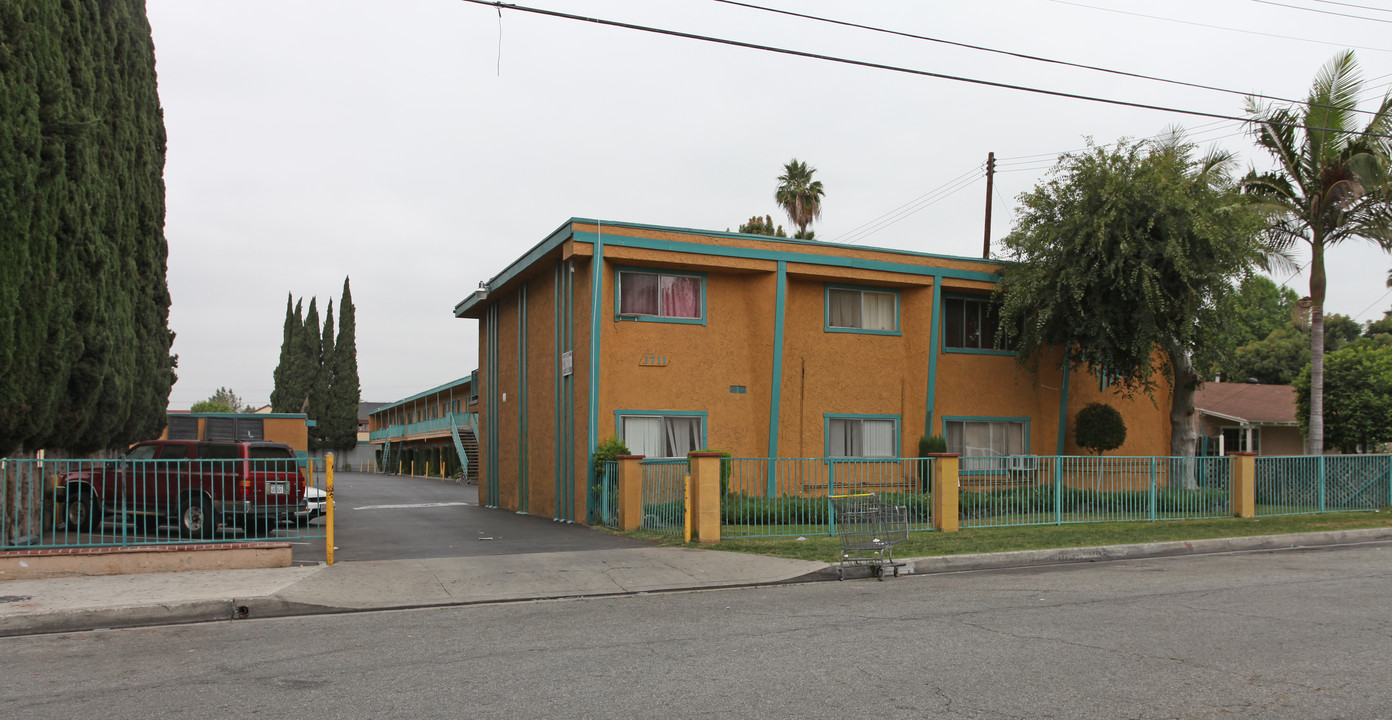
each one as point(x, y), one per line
point(1182, 434)
point(1314, 445)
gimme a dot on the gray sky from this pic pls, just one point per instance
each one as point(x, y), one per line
point(419, 146)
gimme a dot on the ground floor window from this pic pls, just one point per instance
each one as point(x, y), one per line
point(861, 437)
point(985, 438)
point(1241, 440)
point(662, 436)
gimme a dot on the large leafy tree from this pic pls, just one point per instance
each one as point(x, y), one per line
point(800, 196)
point(84, 304)
point(1358, 398)
point(1330, 184)
point(1123, 259)
point(1276, 359)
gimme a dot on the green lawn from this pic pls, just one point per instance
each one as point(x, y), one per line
point(1035, 537)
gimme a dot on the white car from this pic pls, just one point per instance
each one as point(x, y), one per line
point(314, 505)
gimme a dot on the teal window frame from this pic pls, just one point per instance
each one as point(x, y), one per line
point(942, 312)
point(619, 272)
point(826, 309)
point(1024, 437)
point(619, 416)
point(827, 419)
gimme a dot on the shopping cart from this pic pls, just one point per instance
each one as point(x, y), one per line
point(868, 531)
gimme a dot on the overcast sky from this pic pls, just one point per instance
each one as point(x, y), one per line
point(419, 146)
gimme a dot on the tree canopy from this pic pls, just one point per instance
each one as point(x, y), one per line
point(762, 226)
point(1330, 184)
point(1122, 261)
point(318, 372)
point(800, 196)
point(1358, 396)
point(1099, 427)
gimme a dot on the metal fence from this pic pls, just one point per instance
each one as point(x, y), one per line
point(1327, 483)
point(128, 502)
point(777, 497)
point(1054, 490)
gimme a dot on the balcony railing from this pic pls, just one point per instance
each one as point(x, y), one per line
point(424, 427)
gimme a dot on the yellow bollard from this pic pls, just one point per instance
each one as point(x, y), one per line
point(686, 503)
point(329, 512)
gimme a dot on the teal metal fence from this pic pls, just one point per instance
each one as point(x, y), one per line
point(1049, 490)
point(129, 502)
point(777, 497)
point(664, 500)
point(1328, 483)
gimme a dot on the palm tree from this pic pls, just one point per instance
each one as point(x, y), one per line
point(800, 196)
point(1330, 184)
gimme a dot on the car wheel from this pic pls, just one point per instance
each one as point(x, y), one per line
point(196, 518)
point(82, 513)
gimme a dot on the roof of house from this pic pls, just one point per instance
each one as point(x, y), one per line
point(1248, 402)
point(366, 408)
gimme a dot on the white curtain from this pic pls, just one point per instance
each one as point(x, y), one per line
point(878, 311)
point(643, 436)
point(878, 438)
point(683, 435)
point(843, 308)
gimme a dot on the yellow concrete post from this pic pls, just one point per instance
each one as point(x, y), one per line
point(1244, 484)
point(705, 495)
point(311, 472)
point(328, 511)
point(945, 486)
point(630, 492)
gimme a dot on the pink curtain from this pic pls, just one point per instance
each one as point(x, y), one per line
point(681, 296)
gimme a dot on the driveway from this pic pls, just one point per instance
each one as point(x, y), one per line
point(384, 517)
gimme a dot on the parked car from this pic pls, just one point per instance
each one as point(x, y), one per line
point(192, 484)
point(314, 506)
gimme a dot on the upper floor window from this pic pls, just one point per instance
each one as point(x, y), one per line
point(970, 323)
point(861, 437)
point(666, 296)
point(862, 310)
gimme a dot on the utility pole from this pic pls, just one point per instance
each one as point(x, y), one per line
point(990, 182)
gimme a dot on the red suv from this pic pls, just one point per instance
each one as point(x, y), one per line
point(192, 484)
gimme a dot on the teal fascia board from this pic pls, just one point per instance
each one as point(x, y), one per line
point(518, 266)
point(251, 416)
point(447, 386)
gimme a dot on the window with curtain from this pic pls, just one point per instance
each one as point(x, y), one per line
point(665, 436)
point(660, 295)
point(861, 437)
point(983, 444)
point(971, 324)
point(862, 310)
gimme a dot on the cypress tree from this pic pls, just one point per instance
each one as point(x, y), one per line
point(320, 391)
point(341, 417)
point(287, 396)
point(84, 304)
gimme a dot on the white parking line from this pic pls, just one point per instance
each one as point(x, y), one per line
point(415, 505)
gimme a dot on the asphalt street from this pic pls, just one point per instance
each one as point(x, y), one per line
point(1277, 634)
point(389, 517)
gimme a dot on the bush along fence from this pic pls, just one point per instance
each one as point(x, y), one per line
point(139, 501)
point(776, 497)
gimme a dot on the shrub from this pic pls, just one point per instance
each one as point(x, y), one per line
point(1099, 428)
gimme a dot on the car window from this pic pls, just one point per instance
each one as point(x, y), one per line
point(173, 452)
point(142, 452)
point(269, 451)
point(215, 451)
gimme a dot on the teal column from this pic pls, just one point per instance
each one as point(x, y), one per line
point(776, 377)
point(596, 298)
point(935, 325)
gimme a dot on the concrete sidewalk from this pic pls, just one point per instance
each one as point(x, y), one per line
point(86, 603)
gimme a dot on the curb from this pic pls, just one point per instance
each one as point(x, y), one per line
point(63, 621)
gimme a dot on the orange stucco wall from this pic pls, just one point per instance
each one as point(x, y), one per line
point(648, 365)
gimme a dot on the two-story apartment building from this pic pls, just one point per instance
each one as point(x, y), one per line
point(428, 433)
point(676, 340)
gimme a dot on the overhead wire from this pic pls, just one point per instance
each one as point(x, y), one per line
point(911, 207)
point(880, 66)
point(1322, 12)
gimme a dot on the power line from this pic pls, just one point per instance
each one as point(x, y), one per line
point(1343, 4)
point(1219, 27)
point(934, 196)
point(892, 68)
point(1322, 12)
point(1007, 53)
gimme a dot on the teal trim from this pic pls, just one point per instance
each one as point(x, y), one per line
point(596, 298)
point(934, 333)
point(826, 309)
point(1063, 405)
point(518, 266)
point(826, 432)
point(568, 510)
point(252, 416)
point(970, 351)
point(780, 303)
point(523, 481)
point(618, 287)
point(692, 248)
point(619, 415)
point(420, 395)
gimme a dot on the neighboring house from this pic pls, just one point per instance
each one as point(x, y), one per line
point(419, 433)
point(1247, 417)
point(289, 428)
point(676, 340)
